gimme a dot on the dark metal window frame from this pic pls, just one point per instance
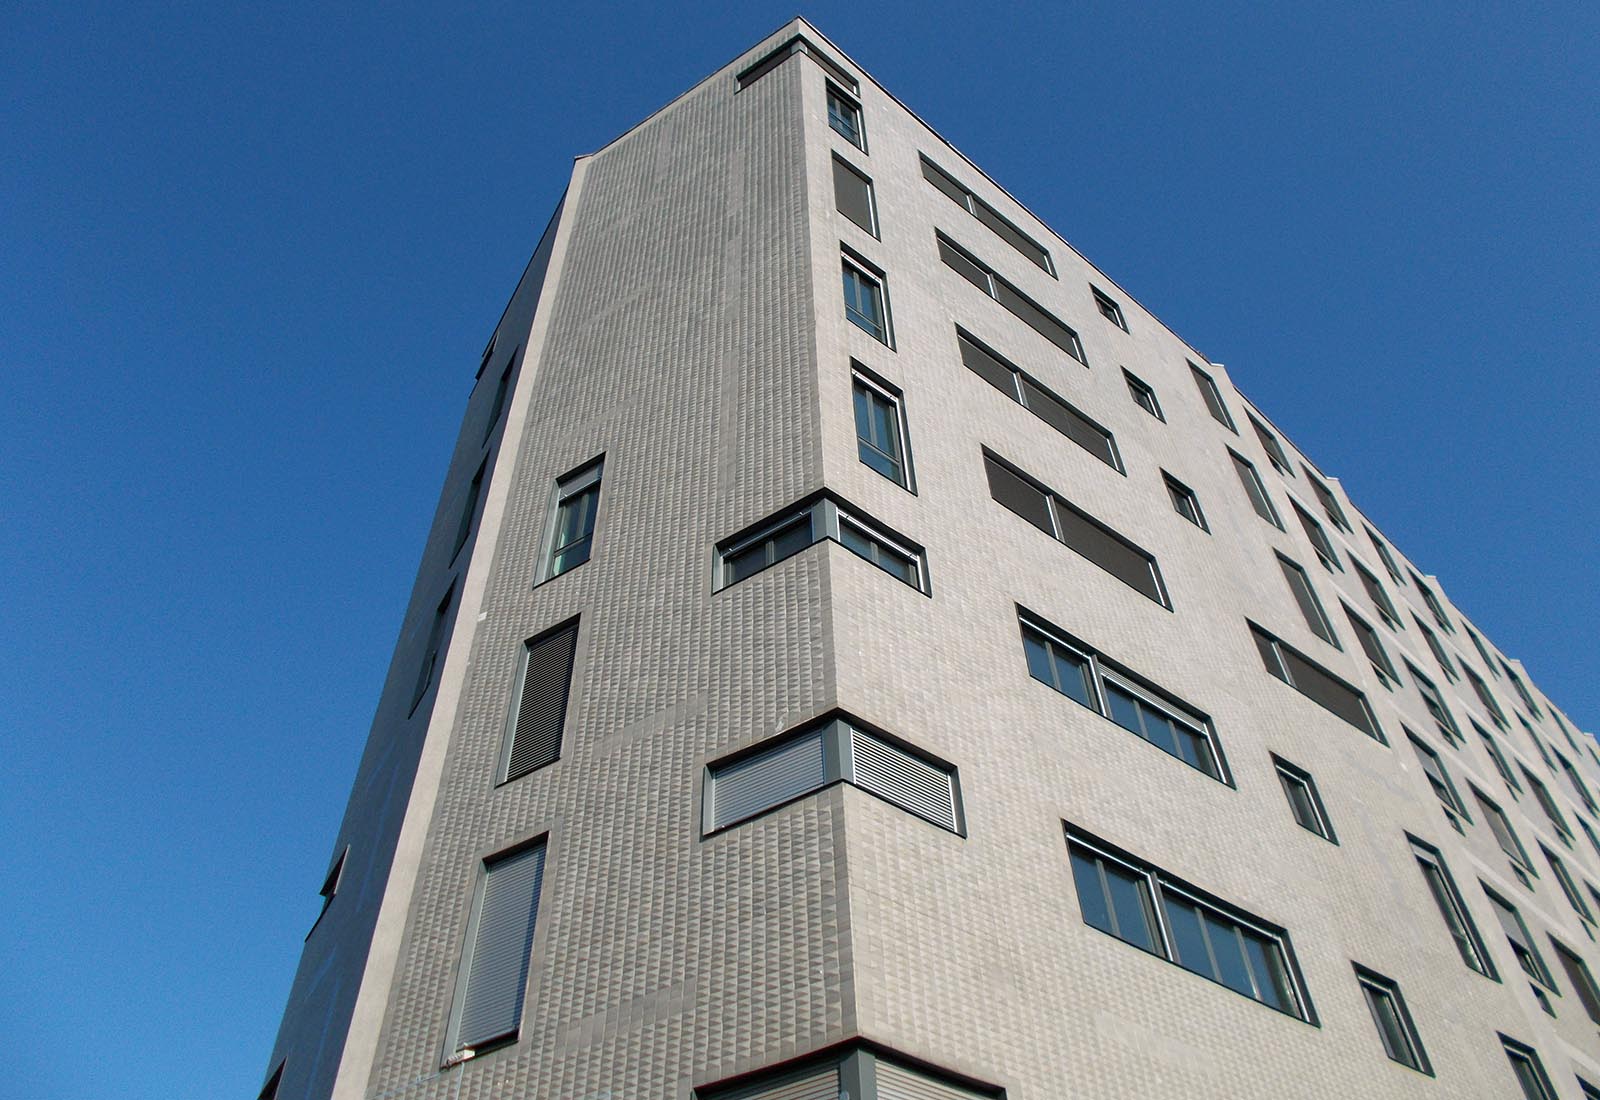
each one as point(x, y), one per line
point(892, 394)
point(1290, 773)
point(978, 208)
point(822, 512)
point(1377, 988)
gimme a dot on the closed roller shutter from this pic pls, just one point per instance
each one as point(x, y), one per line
point(541, 711)
point(767, 779)
point(502, 944)
point(909, 782)
point(895, 1083)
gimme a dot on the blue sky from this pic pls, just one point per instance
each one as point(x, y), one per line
point(249, 256)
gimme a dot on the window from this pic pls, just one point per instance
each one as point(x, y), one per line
point(1395, 1027)
point(1434, 606)
point(1304, 801)
point(1081, 532)
point(799, 44)
point(1213, 398)
point(836, 750)
point(1499, 760)
point(1434, 702)
point(430, 651)
point(1318, 538)
point(1454, 911)
point(1382, 549)
point(1380, 599)
point(1504, 836)
point(1108, 308)
point(880, 428)
point(1441, 657)
point(1590, 1092)
point(853, 1072)
point(1581, 979)
point(1306, 597)
point(1522, 689)
point(811, 521)
point(330, 887)
point(864, 303)
point(502, 388)
point(1025, 309)
point(1481, 690)
point(538, 712)
point(488, 1005)
point(1372, 646)
point(1544, 753)
point(852, 194)
point(488, 354)
point(469, 510)
point(1315, 683)
point(963, 197)
point(1483, 651)
point(1086, 677)
point(577, 502)
point(844, 115)
point(1552, 812)
point(1041, 402)
point(1522, 946)
point(1274, 449)
point(1575, 783)
point(1140, 904)
point(1255, 490)
point(1329, 502)
point(1528, 1069)
point(1568, 887)
point(1184, 501)
point(1439, 779)
point(1142, 394)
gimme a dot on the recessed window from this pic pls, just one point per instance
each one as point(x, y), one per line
point(1108, 308)
point(1385, 556)
point(488, 353)
point(1434, 702)
point(798, 45)
point(538, 713)
point(1372, 646)
point(1139, 904)
point(1441, 657)
point(1081, 532)
point(1184, 501)
point(1590, 1092)
point(844, 115)
point(1315, 682)
point(1304, 801)
point(1454, 911)
point(1569, 888)
point(330, 886)
point(881, 428)
point(1255, 490)
point(1395, 1027)
point(852, 194)
point(1317, 537)
point(1329, 502)
point(1481, 690)
point(855, 1071)
point(1435, 608)
point(1023, 308)
point(576, 504)
point(1212, 395)
point(1084, 676)
point(864, 303)
point(812, 521)
point(1499, 760)
point(1032, 395)
point(431, 651)
point(1552, 812)
point(488, 1007)
point(1001, 226)
point(1439, 779)
point(1522, 946)
point(1528, 1070)
point(1483, 651)
point(1380, 599)
point(1142, 394)
point(1578, 975)
point(1522, 689)
point(1575, 783)
point(1306, 597)
point(502, 388)
point(1504, 836)
point(469, 509)
point(1270, 444)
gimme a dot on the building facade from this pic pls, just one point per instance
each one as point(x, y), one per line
point(861, 652)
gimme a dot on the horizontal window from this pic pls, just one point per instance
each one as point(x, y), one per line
point(1083, 675)
point(810, 522)
point(1081, 532)
point(853, 1072)
point(1137, 903)
point(1316, 683)
point(801, 45)
point(1041, 402)
point(1025, 309)
point(963, 197)
point(839, 750)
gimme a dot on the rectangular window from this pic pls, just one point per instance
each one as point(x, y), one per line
point(1522, 945)
point(577, 503)
point(1396, 1029)
point(852, 194)
point(1255, 490)
point(330, 887)
point(430, 651)
point(1434, 606)
point(1316, 683)
point(469, 510)
point(1274, 449)
point(1084, 676)
point(1140, 904)
point(1522, 689)
point(1499, 760)
point(1022, 388)
point(1142, 394)
point(1579, 977)
point(1212, 395)
point(1329, 502)
point(1306, 597)
point(1544, 753)
point(1439, 779)
point(844, 115)
point(864, 303)
point(1590, 1092)
point(1304, 801)
point(1372, 646)
point(1079, 531)
point(1385, 556)
point(488, 1007)
point(812, 521)
point(497, 407)
point(1454, 911)
point(1184, 501)
point(1108, 308)
point(1440, 657)
point(1481, 690)
point(1552, 812)
point(1025, 309)
point(1317, 537)
point(880, 428)
point(1483, 651)
point(1568, 887)
point(1380, 599)
point(963, 197)
point(838, 750)
point(1434, 702)
point(538, 712)
point(1575, 783)
point(1529, 1071)
point(1500, 826)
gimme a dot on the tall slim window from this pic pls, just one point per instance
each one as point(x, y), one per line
point(1255, 490)
point(1304, 801)
point(430, 651)
point(1523, 947)
point(1274, 449)
point(1315, 682)
point(1528, 1070)
point(1500, 826)
point(1579, 977)
point(880, 429)
point(1434, 606)
point(1439, 779)
point(1522, 689)
point(488, 1005)
point(1498, 758)
point(1306, 597)
point(1142, 394)
point(1481, 690)
point(1329, 502)
point(1212, 395)
point(1184, 501)
point(1454, 911)
point(1434, 702)
point(1385, 556)
point(1483, 651)
point(1568, 887)
point(1318, 537)
point(852, 194)
point(469, 509)
point(498, 406)
point(844, 115)
point(1439, 654)
point(577, 502)
point(1395, 1027)
point(1380, 599)
point(538, 712)
point(1574, 783)
point(1552, 812)
point(864, 301)
point(1372, 646)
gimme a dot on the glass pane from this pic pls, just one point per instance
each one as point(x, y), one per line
point(791, 540)
point(1300, 802)
point(1266, 963)
point(1038, 656)
point(885, 426)
point(1124, 710)
point(1131, 907)
point(1225, 945)
point(1390, 1029)
point(855, 541)
point(1188, 941)
point(1091, 896)
point(1195, 748)
point(746, 562)
point(896, 564)
point(1158, 730)
point(1072, 676)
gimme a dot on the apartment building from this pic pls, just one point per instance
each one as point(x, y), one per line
point(861, 652)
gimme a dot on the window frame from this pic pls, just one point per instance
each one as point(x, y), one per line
point(1211, 395)
point(821, 514)
point(1441, 885)
point(1250, 478)
point(1289, 773)
point(891, 395)
point(855, 134)
point(1276, 455)
point(1321, 544)
point(1137, 388)
point(991, 219)
point(1382, 664)
point(1265, 641)
point(872, 280)
point(1181, 495)
point(1002, 292)
point(871, 196)
point(1108, 307)
point(1439, 781)
point(570, 487)
point(1522, 1054)
point(1319, 623)
point(1377, 988)
point(470, 945)
point(434, 649)
point(1505, 834)
point(1330, 502)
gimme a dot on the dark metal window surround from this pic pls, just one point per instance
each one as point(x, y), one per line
point(488, 1003)
point(1440, 656)
point(1255, 489)
point(1142, 905)
point(1372, 646)
point(1025, 309)
point(1499, 760)
point(799, 44)
point(1079, 531)
point(1316, 683)
point(1305, 802)
point(1395, 1027)
point(1184, 501)
point(1142, 394)
point(1438, 777)
point(1569, 888)
point(330, 886)
point(853, 195)
point(1001, 226)
point(538, 712)
point(1108, 307)
point(865, 303)
point(1435, 608)
point(1552, 812)
point(1212, 394)
point(844, 116)
point(1527, 1068)
point(430, 652)
point(1380, 599)
point(1523, 947)
point(1043, 403)
point(1306, 598)
point(469, 509)
point(1481, 690)
point(1269, 443)
point(1329, 502)
point(838, 749)
point(577, 504)
point(861, 1071)
point(813, 519)
point(1504, 835)
point(881, 437)
point(1468, 941)
point(1317, 537)
point(1385, 556)
point(1580, 978)
point(502, 388)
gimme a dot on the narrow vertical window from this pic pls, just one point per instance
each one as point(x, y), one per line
point(497, 407)
point(1522, 946)
point(1395, 1027)
point(1255, 490)
point(1483, 651)
point(864, 302)
point(1212, 395)
point(1481, 690)
point(1372, 646)
point(469, 509)
point(1108, 307)
point(1434, 702)
point(488, 1008)
point(1304, 801)
point(577, 502)
point(1274, 449)
point(1306, 597)
point(1380, 599)
point(1454, 911)
point(1504, 836)
point(1552, 812)
point(1568, 887)
point(1439, 779)
point(1528, 1070)
point(1329, 502)
point(1317, 537)
point(1435, 608)
point(844, 115)
point(1184, 501)
point(1499, 760)
point(430, 652)
point(1581, 979)
point(1385, 556)
point(852, 194)
point(330, 886)
point(1440, 656)
point(538, 712)
point(880, 429)
point(1142, 394)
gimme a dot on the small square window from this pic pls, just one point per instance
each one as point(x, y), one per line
point(881, 429)
point(1142, 394)
point(844, 115)
point(1304, 801)
point(852, 194)
point(576, 505)
point(1184, 501)
point(1108, 308)
point(1395, 1027)
point(864, 304)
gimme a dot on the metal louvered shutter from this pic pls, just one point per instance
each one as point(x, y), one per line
point(895, 1083)
point(541, 710)
point(768, 779)
point(1021, 497)
point(502, 944)
point(811, 1084)
point(1110, 551)
point(909, 782)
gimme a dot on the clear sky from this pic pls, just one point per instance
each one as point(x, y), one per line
point(249, 255)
